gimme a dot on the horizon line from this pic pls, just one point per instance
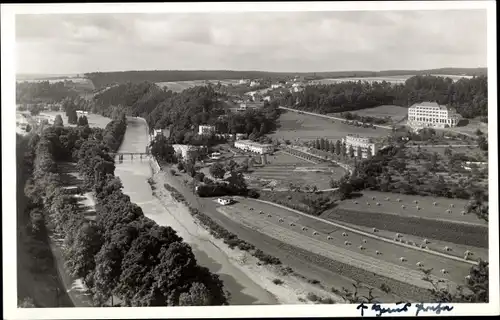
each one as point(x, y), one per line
point(235, 70)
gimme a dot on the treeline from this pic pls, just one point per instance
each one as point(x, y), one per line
point(103, 79)
point(44, 91)
point(468, 96)
point(121, 253)
point(34, 257)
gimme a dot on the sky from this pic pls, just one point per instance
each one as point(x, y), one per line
point(266, 41)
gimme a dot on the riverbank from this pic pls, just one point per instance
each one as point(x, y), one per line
point(286, 288)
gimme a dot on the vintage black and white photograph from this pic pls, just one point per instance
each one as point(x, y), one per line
point(250, 155)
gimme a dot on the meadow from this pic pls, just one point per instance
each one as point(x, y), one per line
point(396, 113)
point(427, 210)
point(295, 127)
point(179, 86)
point(94, 120)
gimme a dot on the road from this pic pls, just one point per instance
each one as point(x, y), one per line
point(330, 117)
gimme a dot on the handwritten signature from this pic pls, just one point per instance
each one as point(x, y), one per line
point(403, 307)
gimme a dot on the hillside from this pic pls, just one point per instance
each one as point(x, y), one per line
point(102, 79)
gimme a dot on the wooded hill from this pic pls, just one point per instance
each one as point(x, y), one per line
point(103, 79)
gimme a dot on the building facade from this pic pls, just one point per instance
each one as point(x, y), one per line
point(431, 114)
point(206, 130)
point(365, 143)
point(186, 151)
point(255, 147)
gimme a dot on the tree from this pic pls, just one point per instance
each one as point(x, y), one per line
point(83, 121)
point(317, 144)
point(162, 150)
point(332, 147)
point(345, 190)
point(217, 170)
point(58, 121)
point(369, 153)
point(35, 109)
point(479, 132)
point(231, 165)
point(338, 147)
point(343, 151)
point(351, 152)
point(237, 182)
point(72, 116)
point(81, 255)
point(28, 128)
point(448, 152)
point(322, 144)
point(198, 295)
point(483, 143)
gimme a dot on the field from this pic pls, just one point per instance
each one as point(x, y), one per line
point(285, 169)
point(179, 86)
point(433, 244)
point(387, 264)
point(302, 127)
point(427, 209)
point(471, 235)
point(95, 120)
point(391, 79)
point(397, 113)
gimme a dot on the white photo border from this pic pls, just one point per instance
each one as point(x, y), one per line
point(8, 58)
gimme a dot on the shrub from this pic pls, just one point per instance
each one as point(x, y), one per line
point(312, 297)
point(326, 301)
point(313, 281)
point(173, 172)
point(252, 193)
point(278, 281)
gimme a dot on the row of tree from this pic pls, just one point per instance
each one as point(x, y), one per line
point(468, 96)
point(122, 253)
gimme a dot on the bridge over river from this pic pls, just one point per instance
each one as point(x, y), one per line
point(131, 155)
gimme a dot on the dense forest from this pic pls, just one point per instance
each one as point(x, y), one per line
point(122, 254)
point(103, 79)
point(183, 112)
point(468, 96)
point(44, 91)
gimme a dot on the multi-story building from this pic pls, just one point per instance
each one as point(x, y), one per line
point(431, 114)
point(206, 130)
point(251, 146)
point(186, 151)
point(365, 143)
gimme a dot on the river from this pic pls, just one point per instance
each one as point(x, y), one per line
point(134, 174)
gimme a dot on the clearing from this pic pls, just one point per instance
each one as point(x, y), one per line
point(396, 113)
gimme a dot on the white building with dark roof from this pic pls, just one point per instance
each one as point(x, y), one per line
point(206, 130)
point(365, 143)
point(431, 114)
point(248, 145)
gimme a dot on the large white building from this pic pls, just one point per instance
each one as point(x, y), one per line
point(431, 114)
point(248, 145)
point(206, 130)
point(186, 151)
point(366, 143)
